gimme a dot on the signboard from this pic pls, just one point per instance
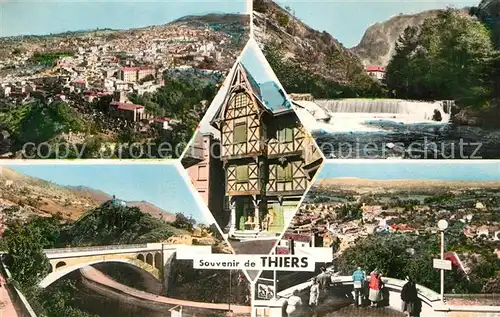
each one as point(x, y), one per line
point(265, 291)
point(442, 264)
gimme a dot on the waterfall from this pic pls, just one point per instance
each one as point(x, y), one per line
point(406, 110)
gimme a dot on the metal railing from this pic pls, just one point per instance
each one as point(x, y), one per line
point(97, 248)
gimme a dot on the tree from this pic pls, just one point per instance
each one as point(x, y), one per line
point(183, 222)
point(390, 255)
point(26, 259)
point(444, 58)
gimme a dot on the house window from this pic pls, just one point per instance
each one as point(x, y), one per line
point(240, 100)
point(285, 135)
point(202, 173)
point(240, 132)
point(284, 173)
point(242, 174)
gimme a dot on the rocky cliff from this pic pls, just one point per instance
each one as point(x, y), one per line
point(379, 41)
point(314, 51)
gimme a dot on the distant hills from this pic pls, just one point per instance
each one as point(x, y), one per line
point(34, 196)
point(216, 18)
point(352, 183)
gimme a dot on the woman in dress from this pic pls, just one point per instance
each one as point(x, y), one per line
point(293, 304)
point(314, 296)
point(375, 288)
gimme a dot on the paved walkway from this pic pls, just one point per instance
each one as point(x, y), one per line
point(98, 277)
point(7, 308)
point(352, 311)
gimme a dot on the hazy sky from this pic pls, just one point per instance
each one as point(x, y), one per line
point(428, 170)
point(347, 20)
point(253, 60)
point(159, 184)
point(49, 16)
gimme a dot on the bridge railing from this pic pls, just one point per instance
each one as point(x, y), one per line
point(423, 291)
point(98, 248)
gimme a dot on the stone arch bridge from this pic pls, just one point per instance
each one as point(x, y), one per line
point(154, 258)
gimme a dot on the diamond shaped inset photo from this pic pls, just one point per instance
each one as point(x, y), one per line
point(252, 159)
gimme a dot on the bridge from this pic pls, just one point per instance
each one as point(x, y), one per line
point(431, 302)
point(154, 258)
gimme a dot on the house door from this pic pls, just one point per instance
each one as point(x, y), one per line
point(240, 214)
point(277, 223)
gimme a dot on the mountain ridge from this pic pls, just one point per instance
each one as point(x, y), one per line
point(232, 17)
point(35, 196)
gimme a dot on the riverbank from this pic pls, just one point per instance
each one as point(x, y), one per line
point(485, 117)
point(101, 284)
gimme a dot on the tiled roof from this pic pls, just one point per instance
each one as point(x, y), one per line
point(126, 106)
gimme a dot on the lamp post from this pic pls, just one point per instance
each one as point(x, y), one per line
point(230, 289)
point(442, 225)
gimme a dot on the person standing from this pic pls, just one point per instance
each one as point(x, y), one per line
point(324, 280)
point(409, 297)
point(314, 296)
point(375, 288)
point(293, 304)
point(358, 278)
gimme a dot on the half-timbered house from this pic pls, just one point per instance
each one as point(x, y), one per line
point(268, 156)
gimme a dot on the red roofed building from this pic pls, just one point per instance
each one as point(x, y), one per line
point(80, 84)
point(377, 72)
point(161, 123)
point(401, 228)
point(134, 74)
point(128, 111)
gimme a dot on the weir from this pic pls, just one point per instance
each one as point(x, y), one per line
point(417, 111)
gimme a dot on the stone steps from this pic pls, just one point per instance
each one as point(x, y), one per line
point(253, 235)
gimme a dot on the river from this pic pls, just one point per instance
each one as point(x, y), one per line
point(100, 300)
point(387, 128)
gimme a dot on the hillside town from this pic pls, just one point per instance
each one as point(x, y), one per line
point(112, 78)
point(339, 219)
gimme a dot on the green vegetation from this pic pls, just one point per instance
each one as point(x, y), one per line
point(26, 259)
point(35, 122)
point(49, 59)
point(28, 265)
point(109, 224)
point(448, 57)
point(295, 79)
point(179, 99)
point(283, 19)
point(391, 254)
point(105, 225)
point(489, 18)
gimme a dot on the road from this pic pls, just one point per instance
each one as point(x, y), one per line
point(98, 277)
point(7, 308)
